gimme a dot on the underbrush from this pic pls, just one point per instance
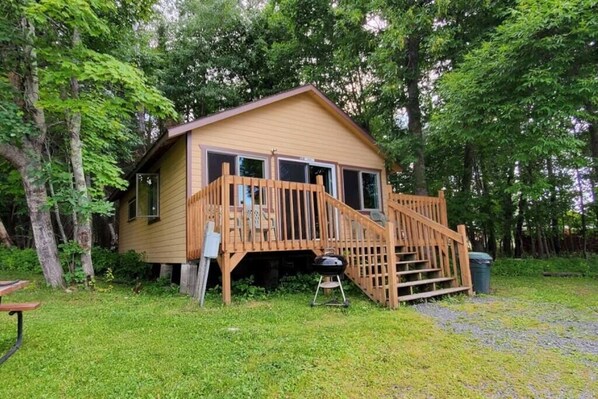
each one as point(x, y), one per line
point(127, 267)
point(535, 267)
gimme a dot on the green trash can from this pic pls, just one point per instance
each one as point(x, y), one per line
point(479, 264)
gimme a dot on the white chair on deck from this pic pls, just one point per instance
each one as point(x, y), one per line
point(260, 221)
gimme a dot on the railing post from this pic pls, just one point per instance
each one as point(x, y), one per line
point(442, 208)
point(224, 217)
point(321, 209)
point(464, 259)
point(391, 258)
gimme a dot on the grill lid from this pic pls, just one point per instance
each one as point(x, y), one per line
point(330, 260)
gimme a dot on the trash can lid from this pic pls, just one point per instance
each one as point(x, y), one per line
point(479, 256)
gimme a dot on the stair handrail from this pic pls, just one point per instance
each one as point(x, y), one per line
point(459, 255)
point(431, 207)
point(368, 247)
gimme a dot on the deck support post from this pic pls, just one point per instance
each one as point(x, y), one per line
point(225, 269)
point(442, 208)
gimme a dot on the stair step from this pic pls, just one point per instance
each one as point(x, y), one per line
point(405, 253)
point(428, 281)
point(417, 271)
point(412, 262)
point(431, 294)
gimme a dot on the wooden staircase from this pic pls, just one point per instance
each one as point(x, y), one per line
point(419, 280)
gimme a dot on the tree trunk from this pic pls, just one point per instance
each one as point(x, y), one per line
point(593, 131)
point(554, 221)
point(4, 237)
point(582, 210)
point(41, 223)
point(84, 232)
point(508, 210)
point(413, 108)
point(519, 227)
point(27, 160)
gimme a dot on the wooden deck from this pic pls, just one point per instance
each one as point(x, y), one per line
point(260, 215)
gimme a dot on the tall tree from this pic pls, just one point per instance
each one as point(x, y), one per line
point(83, 95)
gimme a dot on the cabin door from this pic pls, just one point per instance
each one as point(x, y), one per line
point(298, 208)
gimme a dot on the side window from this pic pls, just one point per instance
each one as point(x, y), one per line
point(148, 195)
point(132, 209)
point(361, 189)
point(351, 188)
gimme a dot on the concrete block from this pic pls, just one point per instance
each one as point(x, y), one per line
point(188, 278)
point(165, 270)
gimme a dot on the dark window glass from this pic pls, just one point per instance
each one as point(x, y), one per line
point(370, 190)
point(132, 209)
point(293, 171)
point(351, 188)
point(215, 161)
point(249, 167)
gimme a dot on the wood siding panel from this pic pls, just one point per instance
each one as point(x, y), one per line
point(165, 240)
point(296, 127)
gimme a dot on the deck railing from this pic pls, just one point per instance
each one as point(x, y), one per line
point(442, 247)
point(203, 206)
point(368, 247)
point(257, 215)
point(431, 207)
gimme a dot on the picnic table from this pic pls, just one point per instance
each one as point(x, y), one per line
point(6, 287)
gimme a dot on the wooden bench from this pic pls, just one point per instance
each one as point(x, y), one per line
point(18, 309)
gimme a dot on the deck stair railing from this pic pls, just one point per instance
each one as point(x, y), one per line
point(368, 247)
point(431, 207)
point(444, 248)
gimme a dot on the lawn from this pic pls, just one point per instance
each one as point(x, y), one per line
point(161, 345)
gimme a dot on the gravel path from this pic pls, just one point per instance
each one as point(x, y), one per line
point(508, 324)
point(558, 328)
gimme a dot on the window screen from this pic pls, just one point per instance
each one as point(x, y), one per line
point(215, 161)
point(351, 188)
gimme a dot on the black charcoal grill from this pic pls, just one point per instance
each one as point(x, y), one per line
point(331, 266)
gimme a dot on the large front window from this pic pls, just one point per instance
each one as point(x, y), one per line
point(240, 165)
point(361, 189)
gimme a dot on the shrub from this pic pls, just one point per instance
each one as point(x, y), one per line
point(131, 267)
point(104, 259)
point(15, 259)
point(535, 267)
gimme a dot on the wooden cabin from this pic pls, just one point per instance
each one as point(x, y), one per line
point(289, 172)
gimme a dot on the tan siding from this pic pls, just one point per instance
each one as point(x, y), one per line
point(163, 241)
point(296, 127)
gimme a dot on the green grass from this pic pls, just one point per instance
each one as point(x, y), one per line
point(118, 344)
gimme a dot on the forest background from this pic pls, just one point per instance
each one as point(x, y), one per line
point(494, 102)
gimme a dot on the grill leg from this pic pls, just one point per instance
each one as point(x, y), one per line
point(340, 285)
point(17, 344)
point(313, 303)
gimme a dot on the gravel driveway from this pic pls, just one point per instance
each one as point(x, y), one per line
point(515, 325)
point(494, 322)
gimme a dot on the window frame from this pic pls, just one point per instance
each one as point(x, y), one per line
point(150, 218)
point(129, 202)
point(237, 172)
point(360, 172)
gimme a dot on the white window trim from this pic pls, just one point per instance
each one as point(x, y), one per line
point(237, 164)
point(314, 163)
